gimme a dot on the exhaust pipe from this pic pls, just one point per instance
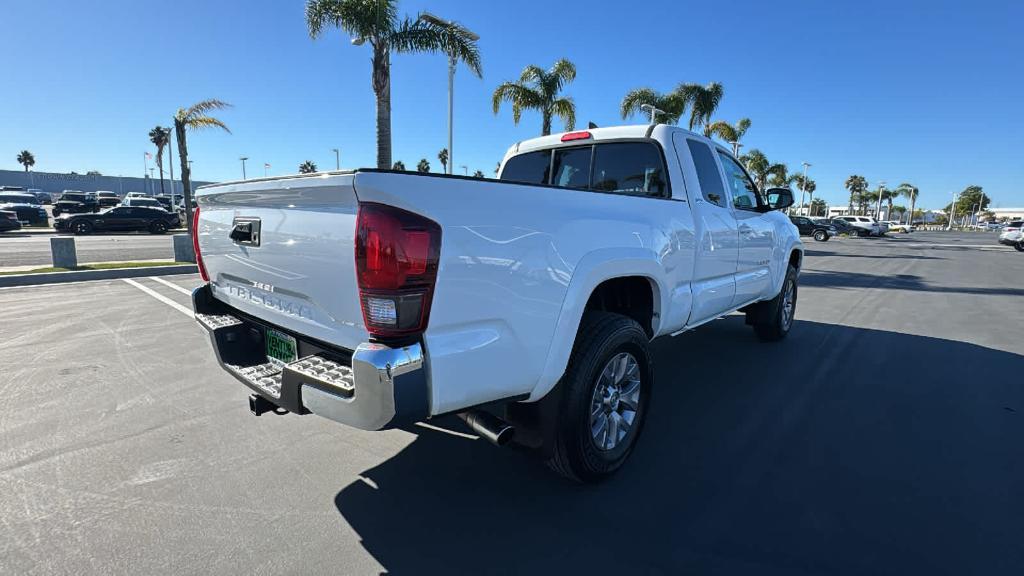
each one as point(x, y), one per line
point(488, 426)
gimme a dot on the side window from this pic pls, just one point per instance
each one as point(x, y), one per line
point(633, 168)
point(571, 167)
point(742, 190)
point(707, 172)
point(529, 168)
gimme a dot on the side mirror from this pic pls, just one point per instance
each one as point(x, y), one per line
point(779, 198)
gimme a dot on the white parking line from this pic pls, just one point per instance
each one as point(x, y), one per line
point(164, 299)
point(184, 291)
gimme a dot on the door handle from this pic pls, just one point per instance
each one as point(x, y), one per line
point(246, 231)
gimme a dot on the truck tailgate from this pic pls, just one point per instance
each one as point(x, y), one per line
point(291, 261)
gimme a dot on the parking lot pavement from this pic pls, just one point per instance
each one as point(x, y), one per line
point(882, 437)
point(34, 249)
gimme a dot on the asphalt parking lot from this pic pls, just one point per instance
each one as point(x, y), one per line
point(884, 436)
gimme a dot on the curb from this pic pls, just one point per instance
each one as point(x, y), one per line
point(83, 275)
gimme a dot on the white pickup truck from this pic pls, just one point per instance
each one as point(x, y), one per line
point(525, 305)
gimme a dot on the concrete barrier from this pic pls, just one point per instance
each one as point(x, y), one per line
point(83, 275)
point(183, 250)
point(62, 250)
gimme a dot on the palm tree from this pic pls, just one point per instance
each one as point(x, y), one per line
point(376, 22)
point(160, 136)
point(307, 167)
point(856, 186)
point(423, 166)
point(807, 185)
point(760, 168)
point(398, 165)
point(443, 157)
point(702, 100)
point(909, 191)
point(195, 117)
point(26, 159)
point(780, 176)
point(670, 105)
point(478, 174)
point(539, 89)
point(728, 132)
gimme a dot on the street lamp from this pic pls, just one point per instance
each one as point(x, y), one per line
point(243, 159)
point(650, 109)
point(952, 211)
point(337, 159)
point(878, 205)
point(803, 186)
point(736, 148)
point(448, 25)
point(465, 170)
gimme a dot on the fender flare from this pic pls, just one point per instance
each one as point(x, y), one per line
point(593, 269)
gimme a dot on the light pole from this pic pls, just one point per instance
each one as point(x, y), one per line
point(266, 166)
point(145, 170)
point(878, 205)
point(650, 109)
point(152, 192)
point(952, 212)
point(803, 187)
point(465, 170)
point(736, 148)
point(170, 162)
point(449, 25)
point(243, 159)
point(337, 159)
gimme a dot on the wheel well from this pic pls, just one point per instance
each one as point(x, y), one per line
point(794, 259)
point(630, 296)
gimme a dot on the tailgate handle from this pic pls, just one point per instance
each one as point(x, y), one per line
point(246, 231)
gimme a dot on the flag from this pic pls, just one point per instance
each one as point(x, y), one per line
point(266, 165)
point(148, 155)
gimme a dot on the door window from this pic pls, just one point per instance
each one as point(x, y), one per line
point(741, 187)
point(707, 172)
point(571, 167)
point(529, 168)
point(633, 168)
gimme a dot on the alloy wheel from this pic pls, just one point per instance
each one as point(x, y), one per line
point(615, 402)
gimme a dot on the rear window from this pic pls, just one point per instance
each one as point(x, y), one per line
point(1016, 224)
point(16, 199)
point(633, 168)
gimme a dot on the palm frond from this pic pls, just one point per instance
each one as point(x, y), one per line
point(521, 97)
point(360, 18)
point(741, 128)
point(636, 98)
point(452, 38)
point(722, 129)
point(564, 71)
point(533, 74)
point(200, 109)
point(565, 109)
point(204, 122)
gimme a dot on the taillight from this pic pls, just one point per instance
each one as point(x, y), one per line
point(195, 244)
point(396, 266)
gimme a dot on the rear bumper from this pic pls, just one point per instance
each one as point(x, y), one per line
point(372, 387)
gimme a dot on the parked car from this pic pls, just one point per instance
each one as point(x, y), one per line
point(41, 196)
point(841, 226)
point(26, 207)
point(75, 202)
point(1012, 233)
point(883, 227)
point(136, 195)
point(118, 219)
point(896, 226)
point(9, 221)
point(864, 225)
point(142, 201)
point(808, 227)
point(107, 199)
point(450, 303)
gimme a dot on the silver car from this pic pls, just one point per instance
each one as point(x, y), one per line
point(1013, 233)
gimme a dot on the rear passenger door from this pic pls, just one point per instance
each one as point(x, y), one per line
point(717, 238)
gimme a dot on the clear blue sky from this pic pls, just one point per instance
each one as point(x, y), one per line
point(925, 92)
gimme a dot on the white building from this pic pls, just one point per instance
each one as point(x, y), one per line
point(1007, 213)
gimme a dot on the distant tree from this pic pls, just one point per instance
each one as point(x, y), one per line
point(478, 174)
point(910, 192)
point(26, 159)
point(760, 168)
point(780, 176)
point(728, 132)
point(376, 23)
point(497, 168)
point(93, 173)
point(540, 90)
point(160, 137)
point(818, 207)
point(703, 102)
point(195, 117)
point(856, 185)
point(423, 166)
point(972, 198)
point(808, 186)
point(670, 104)
point(443, 157)
point(398, 165)
point(307, 167)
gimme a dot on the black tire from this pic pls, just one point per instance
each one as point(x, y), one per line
point(158, 227)
point(770, 321)
point(1019, 245)
point(821, 236)
point(81, 227)
point(575, 453)
point(55, 212)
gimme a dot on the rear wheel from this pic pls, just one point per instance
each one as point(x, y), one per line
point(1019, 245)
point(821, 236)
point(605, 396)
point(56, 212)
point(81, 227)
point(158, 227)
point(773, 319)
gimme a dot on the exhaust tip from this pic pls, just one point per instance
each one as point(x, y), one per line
point(489, 427)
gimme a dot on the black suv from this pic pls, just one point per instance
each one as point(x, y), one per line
point(119, 219)
point(107, 199)
point(74, 202)
point(808, 227)
point(26, 206)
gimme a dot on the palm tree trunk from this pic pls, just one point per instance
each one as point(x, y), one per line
point(546, 128)
point(382, 89)
point(910, 221)
point(160, 165)
point(850, 208)
point(186, 176)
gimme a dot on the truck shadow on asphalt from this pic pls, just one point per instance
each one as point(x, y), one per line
point(841, 450)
